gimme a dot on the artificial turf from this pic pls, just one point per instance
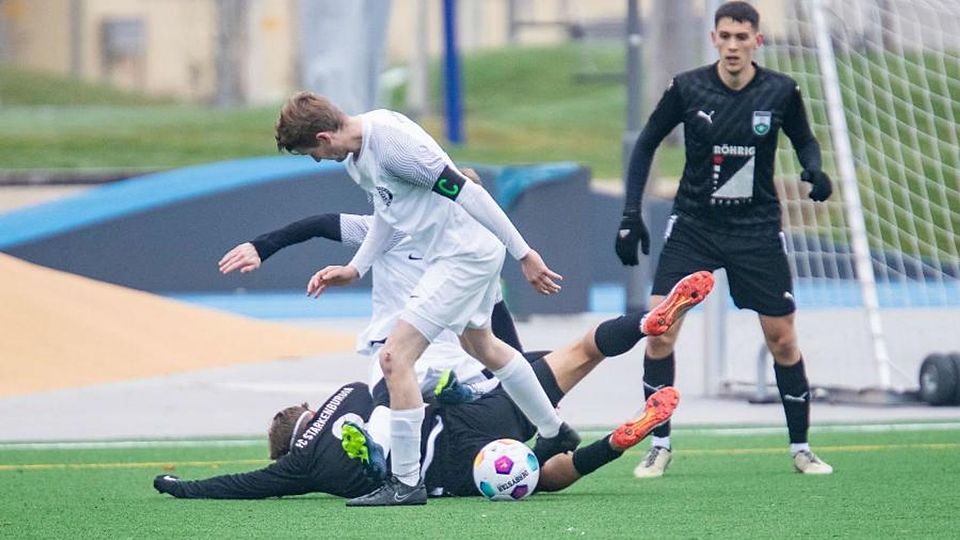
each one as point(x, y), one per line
point(887, 484)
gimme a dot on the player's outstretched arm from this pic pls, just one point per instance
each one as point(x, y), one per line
point(248, 256)
point(276, 480)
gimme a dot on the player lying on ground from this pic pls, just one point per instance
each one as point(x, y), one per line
point(308, 449)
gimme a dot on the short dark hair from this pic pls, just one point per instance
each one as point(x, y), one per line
point(739, 12)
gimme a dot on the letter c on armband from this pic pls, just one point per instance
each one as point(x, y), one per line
point(448, 187)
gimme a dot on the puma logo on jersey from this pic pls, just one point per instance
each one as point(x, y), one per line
point(706, 116)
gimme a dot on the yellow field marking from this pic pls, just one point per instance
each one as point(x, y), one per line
point(170, 466)
point(165, 465)
point(848, 448)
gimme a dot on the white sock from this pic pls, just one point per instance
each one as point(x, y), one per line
point(799, 447)
point(524, 389)
point(379, 427)
point(662, 442)
point(405, 444)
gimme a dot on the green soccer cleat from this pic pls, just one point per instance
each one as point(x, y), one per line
point(450, 391)
point(358, 444)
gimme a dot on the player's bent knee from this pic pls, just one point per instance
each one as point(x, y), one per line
point(783, 347)
point(388, 363)
point(660, 346)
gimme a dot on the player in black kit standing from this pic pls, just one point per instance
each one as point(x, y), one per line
point(726, 213)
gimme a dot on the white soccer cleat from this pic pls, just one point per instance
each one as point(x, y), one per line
point(806, 462)
point(654, 464)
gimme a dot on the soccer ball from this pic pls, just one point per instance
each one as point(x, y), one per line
point(506, 470)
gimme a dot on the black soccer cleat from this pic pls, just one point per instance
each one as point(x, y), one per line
point(566, 440)
point(393, 492)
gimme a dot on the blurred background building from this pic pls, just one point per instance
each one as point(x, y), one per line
point(234, 52)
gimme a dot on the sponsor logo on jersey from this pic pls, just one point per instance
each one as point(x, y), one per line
point(706, 116)
point(385, 195)
point(761, 122)
point(738, 187)
point(734, 150)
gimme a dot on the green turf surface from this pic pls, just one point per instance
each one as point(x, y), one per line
point(886, 484)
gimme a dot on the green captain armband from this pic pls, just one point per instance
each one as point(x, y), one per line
point(450, 184)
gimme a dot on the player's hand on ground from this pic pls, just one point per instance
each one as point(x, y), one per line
point(243, 257)
point(543, 279)
point(822, 186)
point(166, 483)
point(331, 276)
point(632, 230)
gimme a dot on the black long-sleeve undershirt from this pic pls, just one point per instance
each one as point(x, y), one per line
point(321, 226)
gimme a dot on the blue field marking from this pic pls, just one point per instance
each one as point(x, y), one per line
point(604, 298)
point(611, 297)
point(149, 191)
point(286, 304)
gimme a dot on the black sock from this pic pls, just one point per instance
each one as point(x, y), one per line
point(656, 375)
point(587, 459)
point(380, 394)
point(617, 336)
point(501, 322)
point(795, 395)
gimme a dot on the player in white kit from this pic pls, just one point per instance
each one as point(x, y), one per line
point(395, 274)
point(461, 232)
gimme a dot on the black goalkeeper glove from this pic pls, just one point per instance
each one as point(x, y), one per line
point(822, 186)
point(632, 230)
point(166, 483)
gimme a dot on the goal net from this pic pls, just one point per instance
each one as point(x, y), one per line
point(876, 266)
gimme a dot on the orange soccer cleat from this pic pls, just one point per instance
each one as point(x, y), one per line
point(659, 409)
point(688, 292)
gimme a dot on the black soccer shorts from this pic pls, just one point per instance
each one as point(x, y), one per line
point(756, 266)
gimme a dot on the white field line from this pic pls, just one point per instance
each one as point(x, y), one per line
point(718, 431)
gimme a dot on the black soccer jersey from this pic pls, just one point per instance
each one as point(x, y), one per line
point(315, 463)
point(731, 141)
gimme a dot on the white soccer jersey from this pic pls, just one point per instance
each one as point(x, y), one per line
point(395, 274)
point(398, 165)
